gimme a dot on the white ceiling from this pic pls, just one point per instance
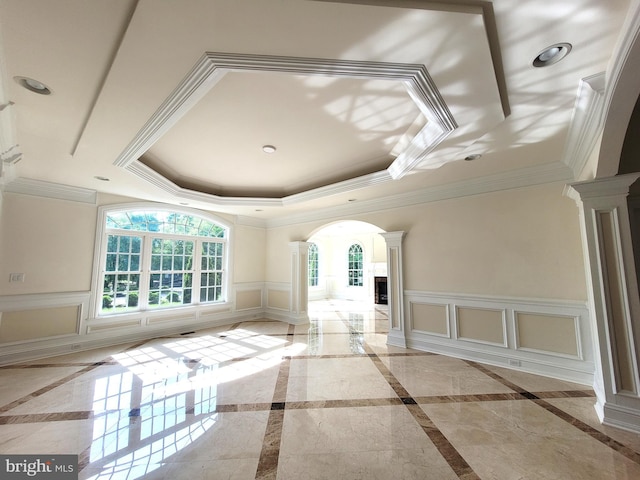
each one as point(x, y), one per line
point(364, 100)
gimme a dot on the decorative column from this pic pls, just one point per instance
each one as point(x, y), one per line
point(395, 289)
point(614, 304)
point(298, 301)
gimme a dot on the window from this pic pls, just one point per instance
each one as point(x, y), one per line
point(313, 265)
point(158, 259)
point(355, 266)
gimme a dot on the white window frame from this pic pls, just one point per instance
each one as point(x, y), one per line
point(102, 233)
point(362, 269)
point(317, 270)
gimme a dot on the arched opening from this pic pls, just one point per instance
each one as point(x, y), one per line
point(347, 261)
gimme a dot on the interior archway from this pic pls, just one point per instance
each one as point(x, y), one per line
point(339, 276)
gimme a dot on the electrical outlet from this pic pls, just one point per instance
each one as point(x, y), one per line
point(16, 277)
point(515, 363)
point(75, 346)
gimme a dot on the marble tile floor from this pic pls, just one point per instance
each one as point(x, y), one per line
point(326, 400)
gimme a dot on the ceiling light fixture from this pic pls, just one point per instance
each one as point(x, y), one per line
point(33, 85)
point(102, 179)
point(472, 157)
point(268, 148)
point(552, 54)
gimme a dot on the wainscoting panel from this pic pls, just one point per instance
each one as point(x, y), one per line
point(545, 337)
point(481, 325)
point(429, 318)
point(39, 323)
point(278, 298)
point(552, 334)
point(249, 296)
point(43, 325)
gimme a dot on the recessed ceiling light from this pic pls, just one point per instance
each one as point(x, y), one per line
point(102, 179)
point(33, 85)
point(472, 157)
point(268, 148)
point(352, 199)
point(552, 54)
point(184, 203)
point(258, 210)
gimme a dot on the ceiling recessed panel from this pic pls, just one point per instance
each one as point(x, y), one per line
point(325, 130)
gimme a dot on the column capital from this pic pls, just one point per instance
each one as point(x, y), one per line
point(601, 187)
point(393, 238)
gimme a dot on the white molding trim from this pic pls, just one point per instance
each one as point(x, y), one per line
point(587, 123)
point(624, 47)
point(212, 66)
point(551, 364)
point(40, 188)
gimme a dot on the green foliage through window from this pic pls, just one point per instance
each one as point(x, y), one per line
point(355, 267)
point(159, 264)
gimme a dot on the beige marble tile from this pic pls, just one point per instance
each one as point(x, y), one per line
point(405, 464)
point(322, 327)
point(253, 384)
point(583, 459)
point(336, 378)
point(335, 344)
point(583, 410)
point(364, 442)
point(17, 383)
point(378, 344)
point(499, 422)
point(226, 469)
point(266, 326)
point(195, 440)
point(80, 393)
point(86, 356)
point(439, 375)
point(68, 437)
point(535, 383)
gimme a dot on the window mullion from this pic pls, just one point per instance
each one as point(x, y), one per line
point(197, 270)
point(145, 269)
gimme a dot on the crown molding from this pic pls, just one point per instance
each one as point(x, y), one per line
point(587, 123)
point(151, 176)
point(525, 177)
point(39, 188)
point(213, 66)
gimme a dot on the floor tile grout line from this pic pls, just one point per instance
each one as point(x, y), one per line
point(311, 404)
point(45, 417)
point(267, 468)
point(558, 412)
point(446, 449)
point(47, 388)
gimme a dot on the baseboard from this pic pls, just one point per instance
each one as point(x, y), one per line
point(49, 348)
point(581, 373)
point(621, 417)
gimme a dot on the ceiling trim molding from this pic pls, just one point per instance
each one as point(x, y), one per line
point(40, 188)
point(525, 177)
point(587, 123)
point(148, 174)
point(213, 66)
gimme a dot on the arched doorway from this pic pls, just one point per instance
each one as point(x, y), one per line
point(347, 259)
